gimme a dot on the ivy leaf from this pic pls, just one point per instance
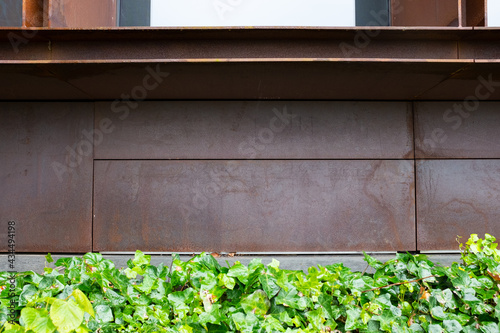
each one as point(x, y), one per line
point(256, 303)
point(375, 263)
point(269, 285)
point(433, 328)
point(438, 313)
point(353, 314)
point(272, 324)
point(83, 301)
point(489, 327)
point(291, 298)
point(12, 328)
point(37, 320)
point(66, 316)
point(141, 259)
point(316, 318)
point(227, 281)
point(239, 271)
point(452, 326)
point(104, 314)
point(49, 259)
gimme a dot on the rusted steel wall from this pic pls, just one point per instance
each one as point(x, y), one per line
point(248, 176)
point(253, 129)
point(327, 176)
point(458, 174)
point(254, 206)
point(46, 184)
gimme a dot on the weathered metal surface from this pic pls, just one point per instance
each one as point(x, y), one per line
point(248, 130)
point(82, 14)
point(475, 13)
point(480, 49)
point(33, 13)
point(235, 206)
point(463, 84)
point(50, 201)
point(155, 44)
point(461, 129)
point(425, 13)
point(456, 197)
point(314, 79)
point(248, 64)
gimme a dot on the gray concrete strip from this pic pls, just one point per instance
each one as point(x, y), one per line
point(24, 262)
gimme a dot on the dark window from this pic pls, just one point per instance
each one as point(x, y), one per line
point(372, 13)
point(11, 13)
point(134, 13)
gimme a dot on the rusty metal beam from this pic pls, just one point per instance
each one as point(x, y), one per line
point(249, 63)
point(314, 79)
point(157, 44)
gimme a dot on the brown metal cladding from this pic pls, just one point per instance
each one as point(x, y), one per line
point(475, 13)
point(82, 14)
point(425, 13)
point(263, 129)
point(456, 197)
point(33, 13)
point(51, 205)
point(254, 206)
point(460, 129)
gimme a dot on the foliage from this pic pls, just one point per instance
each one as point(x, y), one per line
point(406, 294)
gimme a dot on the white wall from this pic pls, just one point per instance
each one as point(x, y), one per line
point(493, 13)
point(196, 13)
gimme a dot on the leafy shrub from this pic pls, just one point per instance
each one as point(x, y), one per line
point(406, 294)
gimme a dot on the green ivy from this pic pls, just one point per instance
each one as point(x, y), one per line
point(406, 294)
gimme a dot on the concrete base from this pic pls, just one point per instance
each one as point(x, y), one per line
point(25, 262)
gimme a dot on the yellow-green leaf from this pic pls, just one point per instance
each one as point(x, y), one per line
point(83, 301)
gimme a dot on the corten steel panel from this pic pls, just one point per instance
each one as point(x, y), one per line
point(82, 14)
point(456, 197)
point(247, 130)
point(425, 13)
point(252, 206)
point(46, 189)
point(33, 13)
point(460, 129)
point(475, 12)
